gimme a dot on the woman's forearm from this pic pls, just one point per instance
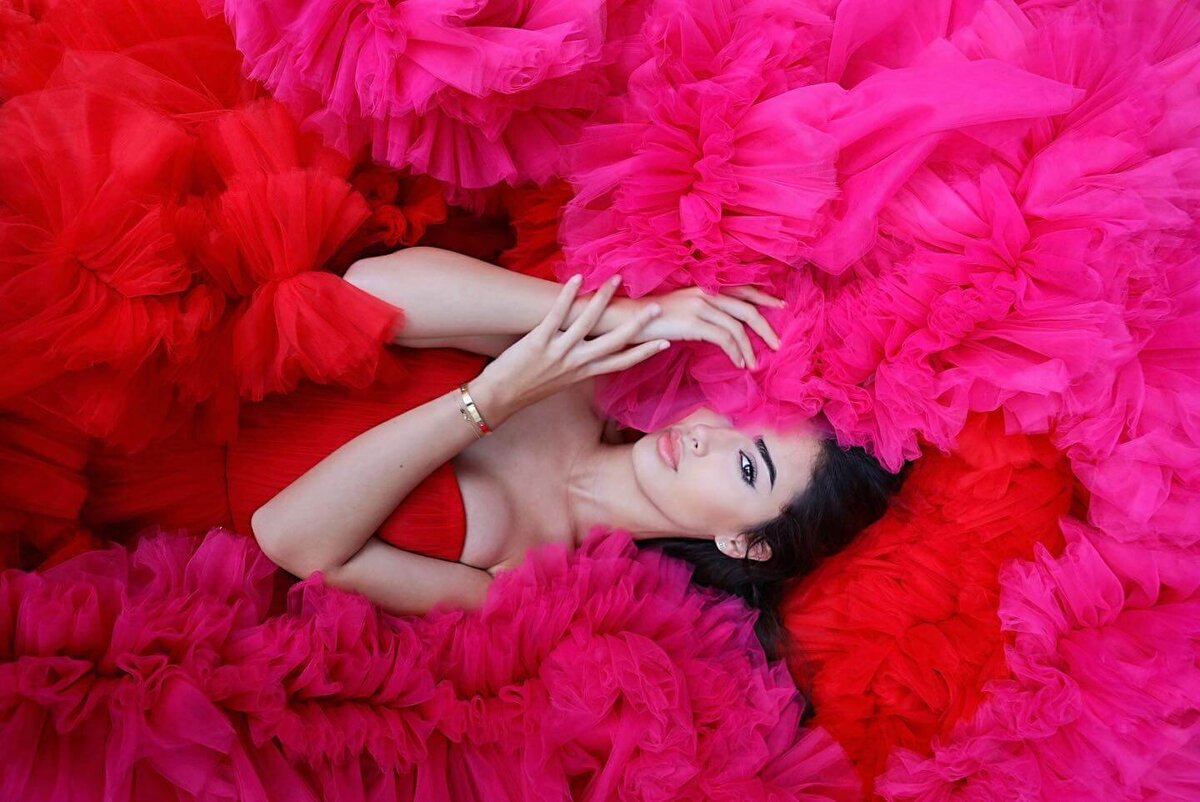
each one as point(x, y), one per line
point(323, 518)
point(446, 295)
point(405, 583)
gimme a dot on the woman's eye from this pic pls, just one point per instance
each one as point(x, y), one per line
point(748, 471)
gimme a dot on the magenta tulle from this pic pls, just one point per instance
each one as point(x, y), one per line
point(470, 93)
point(176, 669)
point(996, 211)
point(1014, 213)
point(693, 185)
point(1104, 693)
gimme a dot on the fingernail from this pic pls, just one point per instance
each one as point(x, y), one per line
point(664, 345)
point(575, 279)
point(615, 280)
point(654, 309)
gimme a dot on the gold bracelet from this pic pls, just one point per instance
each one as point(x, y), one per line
point(471, 413)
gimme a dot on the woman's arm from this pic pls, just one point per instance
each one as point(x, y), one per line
point(405, 583)
point(486, 344)
point(453, 300)
point(323, 519)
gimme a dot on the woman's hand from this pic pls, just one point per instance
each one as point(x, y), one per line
point(692, 314)
point(547, 360)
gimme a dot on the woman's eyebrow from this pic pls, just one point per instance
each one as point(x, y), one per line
point(766, 455)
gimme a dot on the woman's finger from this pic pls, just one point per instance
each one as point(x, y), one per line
point(627, 358)
point(557, 315)
point(755, 295)
point(620, 336)
point(742, 353)
point(747, 313)
point(591, 313)
point(712, 333)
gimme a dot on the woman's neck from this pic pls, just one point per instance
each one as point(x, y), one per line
point(602, 491)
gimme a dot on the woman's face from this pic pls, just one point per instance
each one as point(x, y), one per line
point(712, 480)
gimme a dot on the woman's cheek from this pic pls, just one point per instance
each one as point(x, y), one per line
point(712, 504)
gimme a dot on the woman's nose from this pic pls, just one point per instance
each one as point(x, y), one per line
point(697, 439)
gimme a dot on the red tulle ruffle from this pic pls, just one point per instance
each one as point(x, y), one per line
point(162, 232)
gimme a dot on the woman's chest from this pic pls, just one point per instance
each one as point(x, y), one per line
point(514, 482)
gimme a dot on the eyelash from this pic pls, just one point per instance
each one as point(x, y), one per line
point(746, 461)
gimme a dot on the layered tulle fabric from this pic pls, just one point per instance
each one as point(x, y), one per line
point(401, 209)
point(470, 93)
point(899, 633)
point(163, 231)
point(1040, 264)
point(534, 215)
point(166, 241)
point(43, 488)
point(987, 264)
point(1096, 226)
point(972, 207)
point(91, 282)
point(715, 172)
point(1104, 690)
point(170, 670)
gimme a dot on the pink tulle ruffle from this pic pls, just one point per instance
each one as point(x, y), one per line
point(988, 266)
point(599, 674)
point(470, 93)
point(1104, 690)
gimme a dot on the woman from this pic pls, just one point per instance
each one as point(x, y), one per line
point(750, 509)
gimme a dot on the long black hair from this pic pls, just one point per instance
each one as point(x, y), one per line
point(849, 491)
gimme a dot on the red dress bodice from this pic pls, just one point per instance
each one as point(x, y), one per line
point(281, 438)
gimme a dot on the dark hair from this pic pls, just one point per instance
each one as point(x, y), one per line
point(849, 491)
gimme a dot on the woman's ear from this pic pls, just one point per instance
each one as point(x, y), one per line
point(761, 551)
point(735, 546)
